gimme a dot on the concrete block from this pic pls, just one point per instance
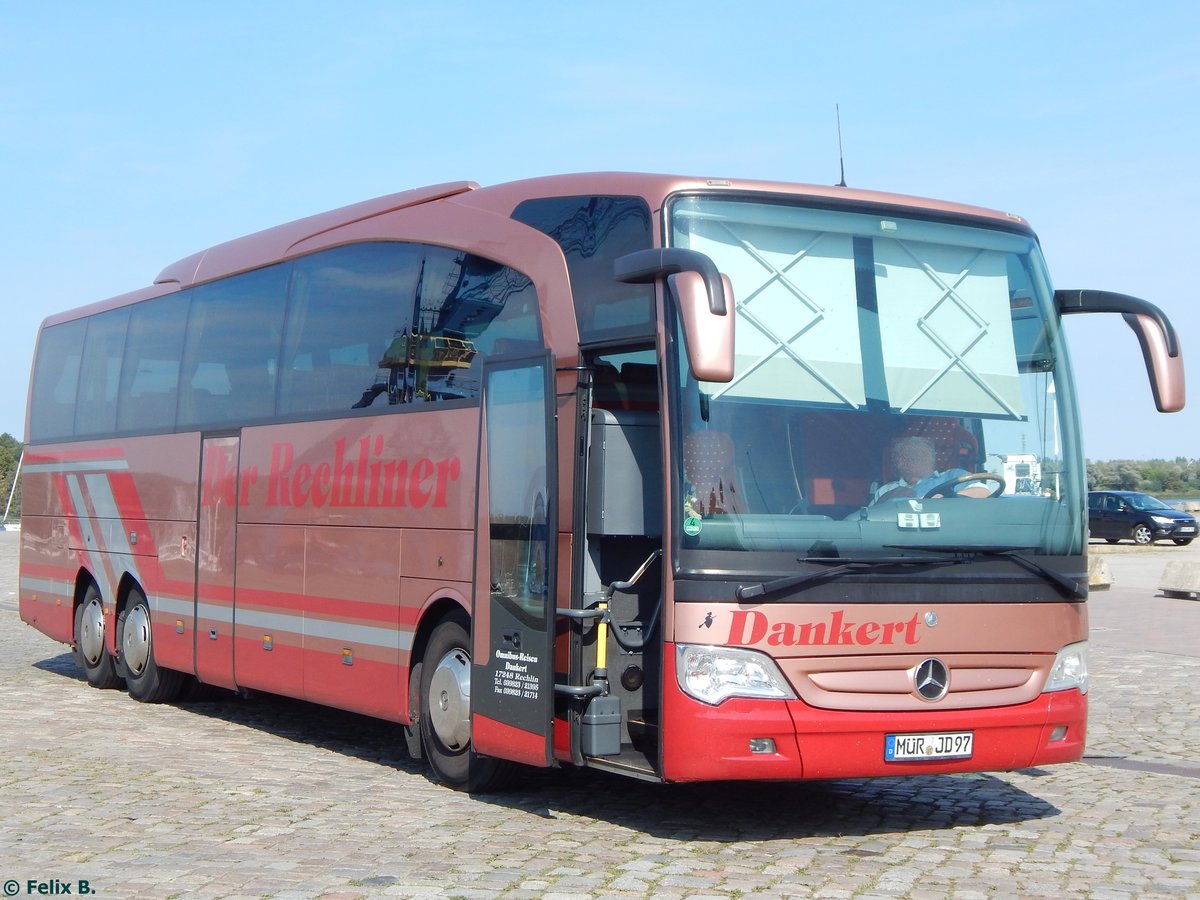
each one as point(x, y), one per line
point(1181, 579)
point(1099, 574)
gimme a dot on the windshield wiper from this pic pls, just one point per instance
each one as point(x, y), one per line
point(837, 568)
point(1069, 586)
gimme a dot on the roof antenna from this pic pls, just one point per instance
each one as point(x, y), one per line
point(841, 156)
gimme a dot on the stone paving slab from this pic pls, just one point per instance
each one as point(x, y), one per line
point(223, 797)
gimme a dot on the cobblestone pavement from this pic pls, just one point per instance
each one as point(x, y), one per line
point(221, 797)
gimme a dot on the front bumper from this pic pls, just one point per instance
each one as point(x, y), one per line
point(714, 743)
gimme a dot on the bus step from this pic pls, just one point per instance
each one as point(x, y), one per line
point(643, 727)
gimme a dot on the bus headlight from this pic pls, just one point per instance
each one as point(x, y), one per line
point(714, 674)
point(1070, 669)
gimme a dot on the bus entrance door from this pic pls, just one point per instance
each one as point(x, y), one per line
point(215, 545)
point(512, 693)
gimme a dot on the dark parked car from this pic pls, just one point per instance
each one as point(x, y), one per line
point(1114, 515)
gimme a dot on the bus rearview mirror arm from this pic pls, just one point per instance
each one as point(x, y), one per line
point(1155, 334)
point(645, 266)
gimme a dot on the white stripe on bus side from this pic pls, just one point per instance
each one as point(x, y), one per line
point(98, 465)
point(293, 623)
point(56, 586)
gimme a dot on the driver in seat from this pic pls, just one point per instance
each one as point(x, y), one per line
point(914, 458)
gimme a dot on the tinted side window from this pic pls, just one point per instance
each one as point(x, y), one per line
point(55, 378)
point(365, 325)
point(96, 412)
point(231, 357)
point(348, 321)
point(469, 307)
point(150, 370)
point(593, 232)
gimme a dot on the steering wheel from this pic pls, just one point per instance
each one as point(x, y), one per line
point(947, 488)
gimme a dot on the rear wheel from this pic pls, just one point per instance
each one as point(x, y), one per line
point(446, 712)
point(1112, 540)
point(145, 680)
point(91, 652)
point(1142, 534)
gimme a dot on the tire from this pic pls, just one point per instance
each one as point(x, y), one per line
point(1181, 542)
point(91, 652)
point(1113, 540)
point(146, 682)
point(446, 713)
point(1142, 535)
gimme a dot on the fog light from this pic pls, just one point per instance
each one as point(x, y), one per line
point(762, 745)
point(1058, 733)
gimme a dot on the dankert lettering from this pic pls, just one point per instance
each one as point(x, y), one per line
point(749, 627)
point(358, 475)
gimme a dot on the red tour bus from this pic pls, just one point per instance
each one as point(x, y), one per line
point(685, 479)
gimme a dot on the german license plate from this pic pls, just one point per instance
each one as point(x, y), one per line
point(1187, 529)
point(936, 745)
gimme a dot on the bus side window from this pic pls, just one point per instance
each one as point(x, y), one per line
point(345, 310)
point(468, 307)
point(593, 231)
point(96, 409)
point(231, 354)
point(55, 379)
point(150, 368)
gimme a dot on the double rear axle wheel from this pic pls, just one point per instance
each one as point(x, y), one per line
point(444, 685)
point(136, 665)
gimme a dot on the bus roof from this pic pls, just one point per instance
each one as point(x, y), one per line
point(655, 189)
point(277, 243)
point(267, 246)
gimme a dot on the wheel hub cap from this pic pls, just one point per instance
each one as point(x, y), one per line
point(91, 632)
point(450, 700)
point(135, 644)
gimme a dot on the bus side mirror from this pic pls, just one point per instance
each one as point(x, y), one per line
point(709, 337)
point(1155, 333)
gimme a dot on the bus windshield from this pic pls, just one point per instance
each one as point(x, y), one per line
point(900, 386)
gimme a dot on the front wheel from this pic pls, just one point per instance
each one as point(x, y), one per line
point(446, 713)
point(1142, 535)
point(1182, 542)
point(145, 680)
point(91, 652)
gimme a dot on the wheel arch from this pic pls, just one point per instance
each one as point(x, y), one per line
point(83, 579)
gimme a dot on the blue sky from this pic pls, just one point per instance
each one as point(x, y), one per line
point(134, 134)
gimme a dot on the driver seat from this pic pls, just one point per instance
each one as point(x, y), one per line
point(954, 447)
point(708, 467)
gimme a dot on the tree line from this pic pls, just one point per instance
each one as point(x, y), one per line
point(1178, 477)
point(10, 455)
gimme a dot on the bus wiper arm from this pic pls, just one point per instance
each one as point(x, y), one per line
point(837, 568)
point(1069, 586)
